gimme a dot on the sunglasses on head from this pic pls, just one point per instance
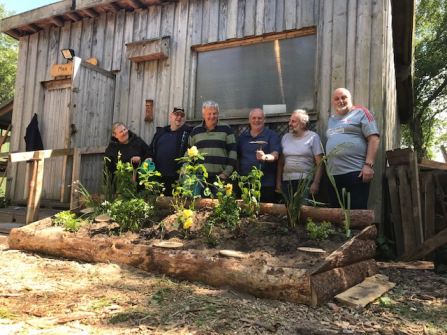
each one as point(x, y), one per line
point(175, 110)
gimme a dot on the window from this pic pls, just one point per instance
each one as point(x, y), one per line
point(278, 72)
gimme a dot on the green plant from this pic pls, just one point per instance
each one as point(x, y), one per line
point(228, 210)
point(193, 173)
point(69, 220)
point(149, 179)
point(294, 200)
point(108, 183)
point(125, 180)
point(318, 233)
point(250, 186)
point(7, 314)
point(129, 214)
point(345, 199)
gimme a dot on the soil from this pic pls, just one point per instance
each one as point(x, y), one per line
point(46, 295)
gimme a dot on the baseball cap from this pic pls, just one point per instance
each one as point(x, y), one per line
point(178, 110)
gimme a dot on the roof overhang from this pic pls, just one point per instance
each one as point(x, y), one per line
point(56, 14)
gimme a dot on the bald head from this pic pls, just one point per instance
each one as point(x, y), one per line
point(341, 100)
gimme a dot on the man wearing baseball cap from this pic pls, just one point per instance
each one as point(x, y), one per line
point(169, 143)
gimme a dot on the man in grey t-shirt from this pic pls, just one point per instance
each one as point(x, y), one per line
point(352, 144)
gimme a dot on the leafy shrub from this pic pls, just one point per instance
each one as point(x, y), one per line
point(69, 220)
point(129, 214)
point(318, 233)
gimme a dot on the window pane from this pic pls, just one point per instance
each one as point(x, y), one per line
point(245, 77)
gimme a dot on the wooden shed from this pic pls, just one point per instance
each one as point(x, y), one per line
point(276, 54)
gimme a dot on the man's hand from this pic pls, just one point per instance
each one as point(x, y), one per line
point(135, 159)
point(367, 174)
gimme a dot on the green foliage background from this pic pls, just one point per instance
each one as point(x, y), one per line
point(8, 60)
point(428, 128)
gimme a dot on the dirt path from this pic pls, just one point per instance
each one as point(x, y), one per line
point(45, 295)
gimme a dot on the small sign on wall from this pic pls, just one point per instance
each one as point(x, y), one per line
point(149, 116)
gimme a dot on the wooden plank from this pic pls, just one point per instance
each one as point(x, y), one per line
point(423, 249)
point(415, 265)
point(406, 209)
point(197, 10)
point(279, 15)
point(441, 195)
point(213, 28)
point(351, 37)
point(232, 20)
point(363, 52)
point(253, 40)
point(416, 198)
point(35, 187)
point(27, 155)
point(260, 10)
point(395, 210)
point(398, 156)
point(148, 49)
point(444, 153)
point(429, 208)
point(240, 19)
point(250, 16)
point(429, 164)
point(290, 14)
point(369, 290)
point(339, 28)
point(269, 16)
point(119, 41)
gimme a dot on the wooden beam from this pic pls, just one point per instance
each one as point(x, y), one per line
point(423, 249)
point(34, 28)
point(5, 136)
point(36, 183)
point(57, 21)
point(396, 217)
point(90, 12)
point(416, 198)
point(134, 3)
point(114, 7)
point(444, 153)
point(14, 33)
point(429, 210)
point(26, 156)
point(428, 164)
point(406, 209)
point(252, 40)
point(74, 16)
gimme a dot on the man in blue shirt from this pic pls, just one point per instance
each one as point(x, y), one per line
point(249, 156)
point(169, 143)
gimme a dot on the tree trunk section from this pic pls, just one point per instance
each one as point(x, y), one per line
point(360, 218)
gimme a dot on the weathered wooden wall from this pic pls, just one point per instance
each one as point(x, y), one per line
point(354, 48)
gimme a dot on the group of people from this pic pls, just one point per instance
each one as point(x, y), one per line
point(352, 145)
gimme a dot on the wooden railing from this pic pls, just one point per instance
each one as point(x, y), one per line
point(37, 159)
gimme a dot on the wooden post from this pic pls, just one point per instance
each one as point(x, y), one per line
point(406, 209)
point(416, 198)
point(36, 183)
point(76, 175)
point(395, 210)
point(444, 153)
point(430, 198)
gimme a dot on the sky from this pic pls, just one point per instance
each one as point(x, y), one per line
point(20, 6)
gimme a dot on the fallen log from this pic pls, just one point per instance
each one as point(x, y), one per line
point(251, 276)
point(355, 250)
point(327, 284)
point(359, 218)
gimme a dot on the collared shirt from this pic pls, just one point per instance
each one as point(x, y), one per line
point(246, 153)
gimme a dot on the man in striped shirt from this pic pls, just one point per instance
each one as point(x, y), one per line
point(216, 141)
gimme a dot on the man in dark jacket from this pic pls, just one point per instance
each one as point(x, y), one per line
point(169, 143)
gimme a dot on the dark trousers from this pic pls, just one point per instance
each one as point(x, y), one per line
point(355, 186)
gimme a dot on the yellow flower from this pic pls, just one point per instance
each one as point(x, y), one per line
point(145, 165)
point(193, 151)
point(187, 213)
point(162, 195)
point(229, 188)
point(187, 223)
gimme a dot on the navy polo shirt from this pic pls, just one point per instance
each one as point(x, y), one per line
point(246, 153)
point(167, 153)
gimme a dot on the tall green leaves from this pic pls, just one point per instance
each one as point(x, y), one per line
point(9, 52)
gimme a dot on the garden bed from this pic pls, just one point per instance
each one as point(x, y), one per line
point(262, 257)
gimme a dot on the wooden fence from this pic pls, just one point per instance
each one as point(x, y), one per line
point(37, 160)
point(418, 203)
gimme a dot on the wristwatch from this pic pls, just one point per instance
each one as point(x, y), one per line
point(370, 165)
